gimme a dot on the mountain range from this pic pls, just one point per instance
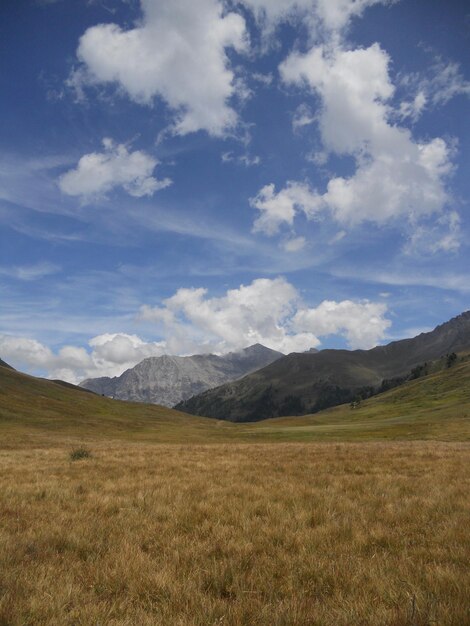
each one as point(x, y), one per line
point(302, 383)
point(34, 411)
point(167, 380)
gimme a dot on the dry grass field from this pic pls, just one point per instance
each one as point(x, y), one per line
point(338, 534)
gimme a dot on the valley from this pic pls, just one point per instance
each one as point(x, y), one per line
point(121, 512)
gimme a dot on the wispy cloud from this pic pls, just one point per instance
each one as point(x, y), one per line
point(407, 278)
point(30, 272)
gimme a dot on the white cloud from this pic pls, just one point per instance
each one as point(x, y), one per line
point(406, 278)
point(118, 351)
point(442, 82)
point(268, 311)
point(396, 177)
point(280, 208)
point(443, 235)
point(362, 323)
point(446, 83)
point(337, 13)
point(110, 355)
point(30, 272)
point(22, 351)
point(99, 172)
point(388, 187)
point(254, 313)
point(412, 109)
point(354, 86)
point(243, 159)
point(176, 52)
point(330, 14)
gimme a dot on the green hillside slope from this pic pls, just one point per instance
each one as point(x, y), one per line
point(34, 411)
point(34, 407)
point(433, 407)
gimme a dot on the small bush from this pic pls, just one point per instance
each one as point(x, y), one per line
point(78, 454)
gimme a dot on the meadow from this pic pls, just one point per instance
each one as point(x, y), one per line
point(337, 534)
point(122, 514)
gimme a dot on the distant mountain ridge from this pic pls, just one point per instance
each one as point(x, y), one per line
point(308, 382)
point(167, 380)
point(3, 364)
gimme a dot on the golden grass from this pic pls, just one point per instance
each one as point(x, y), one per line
point(236, 534)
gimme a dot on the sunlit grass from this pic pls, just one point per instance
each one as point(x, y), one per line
point(318, 534)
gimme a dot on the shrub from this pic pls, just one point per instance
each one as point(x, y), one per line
point(78, 454)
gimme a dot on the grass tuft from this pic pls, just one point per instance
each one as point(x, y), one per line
point(79, 454)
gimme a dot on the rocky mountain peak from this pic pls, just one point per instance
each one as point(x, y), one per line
point(169, 379)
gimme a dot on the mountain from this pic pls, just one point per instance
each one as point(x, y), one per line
point(308, 382)
point(3, 364)
point(168, 380)
point(36, 412)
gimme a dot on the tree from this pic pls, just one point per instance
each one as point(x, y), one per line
point(451, 359)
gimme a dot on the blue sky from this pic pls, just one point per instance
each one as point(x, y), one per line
point(199, 175)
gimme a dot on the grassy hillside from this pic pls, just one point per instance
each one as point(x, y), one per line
point(36, 409)
point(433, 407)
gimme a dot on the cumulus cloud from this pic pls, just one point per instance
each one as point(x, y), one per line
point(176, 52)
point(26, 352)
point(268, 311)
point(396, 177)
point(109, 355)
point(362, 323)
point(99, 172)
point(119, 349)
point(281, 208)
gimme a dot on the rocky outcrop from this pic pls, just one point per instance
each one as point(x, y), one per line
point(168, 380)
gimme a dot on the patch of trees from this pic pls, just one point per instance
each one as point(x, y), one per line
point(331, 395)
point(415, 373)
point(264, 406)
point(451, 359)
point(292, 405)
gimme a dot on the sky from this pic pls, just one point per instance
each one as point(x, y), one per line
point(198, 176)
